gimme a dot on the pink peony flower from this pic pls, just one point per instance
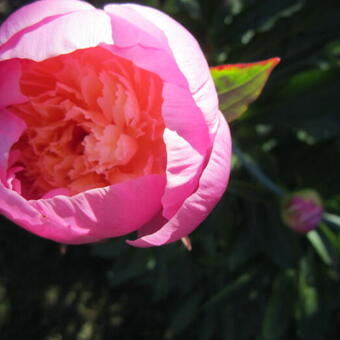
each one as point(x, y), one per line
point(302, 210)
point(109, 124)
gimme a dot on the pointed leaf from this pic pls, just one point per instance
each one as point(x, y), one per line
point(184, 314)
point(235, 287)
point(312, 308)
point(280, 306)
point(320, 246)
point(240, 84)
point(334, 220)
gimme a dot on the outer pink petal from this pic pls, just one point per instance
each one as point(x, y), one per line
point(59, 35)
point(89, 216)
point(159, 44)
point(188, 56)
point(36, 12)
point(10, 93)
point(197, 207)
point(138, 39)
point(11, 129)
point(20, 211)
point(183, 170)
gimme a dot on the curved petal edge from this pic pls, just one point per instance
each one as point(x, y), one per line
point(196, 208)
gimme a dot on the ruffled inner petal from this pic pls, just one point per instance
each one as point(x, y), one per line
point(93, 119)
point(10, 93)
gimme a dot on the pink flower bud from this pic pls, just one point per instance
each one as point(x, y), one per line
point(302, 211)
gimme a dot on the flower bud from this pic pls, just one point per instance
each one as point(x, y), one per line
point(302, 211)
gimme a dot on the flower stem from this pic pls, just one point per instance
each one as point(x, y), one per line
point(257, 173)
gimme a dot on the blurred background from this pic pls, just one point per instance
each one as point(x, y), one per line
point(248, 277)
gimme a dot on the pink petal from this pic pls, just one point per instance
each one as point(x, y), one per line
point(101, 213)
point(59, 35)
point(10, 93)
point(184, 48)
point(197, 207)
point(152, 225)
point(11, 129)
point(131, 29)
point(134, 37)
point(19, 210)
point(11, 181)
point(183, 171)
point(138, 39)
point(187, 146)
point(55, 192)
point(34, 13)
point(181, 114)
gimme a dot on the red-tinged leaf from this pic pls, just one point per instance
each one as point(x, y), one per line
point(238, 85)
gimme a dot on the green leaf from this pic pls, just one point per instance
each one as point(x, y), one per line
point(232, 289)
point(239, 85)
point(333, 219)
point(319, 246)
point(209, 325)
point(280, 306)
point(312, 310)
point(184, 314)
point(279, 243)
point(332, 245)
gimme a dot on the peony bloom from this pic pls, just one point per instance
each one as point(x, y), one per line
point(302, 211)
point(109, 124)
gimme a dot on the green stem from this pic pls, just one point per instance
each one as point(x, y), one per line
point(257, 173)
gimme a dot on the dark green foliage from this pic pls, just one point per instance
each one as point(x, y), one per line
point(248, 276)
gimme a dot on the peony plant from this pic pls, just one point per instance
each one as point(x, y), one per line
point(110, 123)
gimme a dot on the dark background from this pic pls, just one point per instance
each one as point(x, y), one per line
point(248, 276)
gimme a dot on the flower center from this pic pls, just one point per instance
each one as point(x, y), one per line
point(93, 119)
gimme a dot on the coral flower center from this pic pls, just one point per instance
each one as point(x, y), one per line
point(92, 119)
